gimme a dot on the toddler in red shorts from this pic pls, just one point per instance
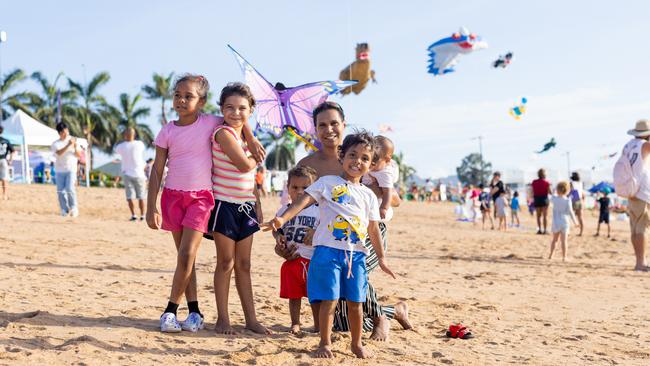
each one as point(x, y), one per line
point(297, 232)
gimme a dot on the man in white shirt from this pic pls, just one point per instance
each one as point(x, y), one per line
point(637, 151)
point(67, 153)
point(133, 171)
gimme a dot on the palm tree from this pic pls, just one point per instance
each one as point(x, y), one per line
point(161, 89)
point(128, 115)
point(44, 107)
point(15, 101)
point(282, 150)
point(91, 113)
point(405, 171)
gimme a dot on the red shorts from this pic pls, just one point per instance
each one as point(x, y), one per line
point(293, 278)
point(190, 209)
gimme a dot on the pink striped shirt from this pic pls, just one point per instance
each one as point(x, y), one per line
point(228, 183)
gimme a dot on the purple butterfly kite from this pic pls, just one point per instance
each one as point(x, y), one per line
point(279, 108)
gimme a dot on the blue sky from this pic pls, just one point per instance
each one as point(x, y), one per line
point(582, 65)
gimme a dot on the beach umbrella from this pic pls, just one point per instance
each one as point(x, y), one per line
point(602, 187)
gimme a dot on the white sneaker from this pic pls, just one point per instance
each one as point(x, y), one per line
point(74, 212)
point(64, 213)
point(193, 323)
point(169, 324)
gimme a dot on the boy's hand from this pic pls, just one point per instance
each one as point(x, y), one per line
point(309, 237)
point(384, 267)
point(274, 224)
point(154, 221)
point(280, 241)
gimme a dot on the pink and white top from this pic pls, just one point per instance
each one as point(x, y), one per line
point(188, 153)
point(229, 184)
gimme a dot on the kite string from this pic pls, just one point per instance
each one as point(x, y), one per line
point(349, 34)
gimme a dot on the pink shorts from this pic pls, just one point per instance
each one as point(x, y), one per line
point(190, 209)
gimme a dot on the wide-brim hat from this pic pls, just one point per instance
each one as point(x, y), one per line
point(642, 129)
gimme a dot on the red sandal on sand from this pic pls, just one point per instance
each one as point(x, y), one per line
point(459, 331)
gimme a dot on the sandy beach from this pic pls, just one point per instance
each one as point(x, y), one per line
point(90, 290)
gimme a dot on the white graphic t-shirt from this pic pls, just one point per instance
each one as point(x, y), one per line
point(295, 229)
point(346, 209)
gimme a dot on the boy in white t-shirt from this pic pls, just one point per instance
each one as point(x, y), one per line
point(349, 212)
point(297, 232)
point(385, 171)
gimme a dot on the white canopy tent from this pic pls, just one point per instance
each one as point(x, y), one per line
point(34, 133)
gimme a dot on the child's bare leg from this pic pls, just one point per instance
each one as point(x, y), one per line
point(190, 290)
point(564, 238)
point(325, 321)
point(355, 316)
point(244, 285)
point(608, 229)
point(315, 311)
point(294, 312)
point(222, 272)
point(598, 229)
point(553, 241)
point(183, 275)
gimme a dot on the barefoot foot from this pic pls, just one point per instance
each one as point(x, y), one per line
point(381, 329)
point(402, 315)
point(362, 352)
point(324, 351)
point(295, 329)
point(258, 328)
point(224, 328)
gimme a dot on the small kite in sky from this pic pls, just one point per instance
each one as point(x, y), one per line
point(359, 70)
point(519, 110)
point(445, 53)
point(503, 61)
point(547, 146)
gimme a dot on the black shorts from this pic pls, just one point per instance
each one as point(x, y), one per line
point(234, 220)
point(540, 201)
point(603, 217)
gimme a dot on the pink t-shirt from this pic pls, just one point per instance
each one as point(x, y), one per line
point(189, 153)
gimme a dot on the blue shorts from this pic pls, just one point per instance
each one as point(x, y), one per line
point(327, 278)
point(234, 220)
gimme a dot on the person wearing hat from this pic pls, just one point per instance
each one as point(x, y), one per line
point(639, 205)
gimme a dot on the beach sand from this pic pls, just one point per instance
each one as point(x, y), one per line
point(90, 290)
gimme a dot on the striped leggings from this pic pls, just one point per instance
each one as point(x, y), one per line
point(371, 308)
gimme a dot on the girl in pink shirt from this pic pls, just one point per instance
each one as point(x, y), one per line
point(184, 146)
point(237, 210)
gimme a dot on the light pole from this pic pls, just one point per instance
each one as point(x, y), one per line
point(480, 150)
point(3, 39)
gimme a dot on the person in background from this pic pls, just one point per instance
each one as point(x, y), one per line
point(603, 217)
point(541, 191)
point(67, 153)
point(577, 196)
point(6, 154)
point(133, 169)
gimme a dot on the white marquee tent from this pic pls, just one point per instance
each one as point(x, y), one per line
point(33, 132)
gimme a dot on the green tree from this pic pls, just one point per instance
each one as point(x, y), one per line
point(161, 89)
point(474, 170)
point(128, 115)
point(44, 106)
point(13, 101)
point(209, 107)
point(405, 171)
point(91, 113)
point(281, 150)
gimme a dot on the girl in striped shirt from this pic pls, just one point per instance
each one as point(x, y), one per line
point(237, 210)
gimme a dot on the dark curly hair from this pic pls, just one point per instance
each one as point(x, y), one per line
point(239, 89)
point(359, 137)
